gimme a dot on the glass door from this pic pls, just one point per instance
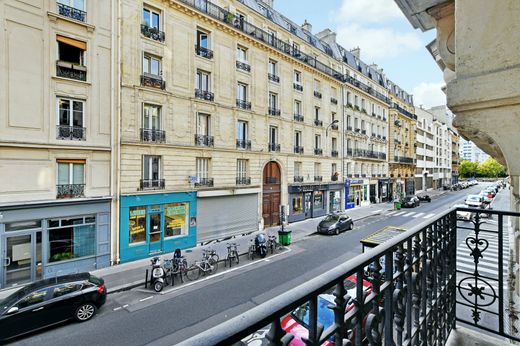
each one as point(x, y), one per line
point(155, 233)
point(18, 260)
point(308, 205)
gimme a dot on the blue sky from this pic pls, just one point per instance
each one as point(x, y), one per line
point(384, 35)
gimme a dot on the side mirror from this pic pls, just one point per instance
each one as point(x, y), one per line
point(12, 310)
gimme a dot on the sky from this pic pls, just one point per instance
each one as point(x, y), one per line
point(385, 37)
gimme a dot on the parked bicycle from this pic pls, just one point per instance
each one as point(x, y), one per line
point(273, 244)
point(208, 265)
point(178, 265)
point(232, 255)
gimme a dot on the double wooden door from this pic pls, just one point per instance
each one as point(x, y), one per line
point(271, 194)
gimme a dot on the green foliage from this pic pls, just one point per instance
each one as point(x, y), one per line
point(487, 169)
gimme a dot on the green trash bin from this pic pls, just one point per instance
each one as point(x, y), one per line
point(284, 237)
point(397, 204)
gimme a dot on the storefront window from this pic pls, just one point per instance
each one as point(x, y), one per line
point(335, 200)
point(297, 204)
point(71, 238)
point(137, 224)
point(176, 219)
point(318, 200)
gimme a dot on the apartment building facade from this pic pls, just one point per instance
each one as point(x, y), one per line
point(56, 137)
point(425, 151)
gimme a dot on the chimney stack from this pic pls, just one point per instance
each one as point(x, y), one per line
point(307, 26)
point(356, 52)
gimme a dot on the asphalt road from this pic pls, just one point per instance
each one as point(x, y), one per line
point(139, 317)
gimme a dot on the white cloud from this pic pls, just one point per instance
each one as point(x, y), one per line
point(377, 43)
point(369, 11)
point(429, 95)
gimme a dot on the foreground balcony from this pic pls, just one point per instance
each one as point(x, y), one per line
point(427, 300)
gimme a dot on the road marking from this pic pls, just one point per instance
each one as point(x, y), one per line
point(409, 214)
point(429, 216)
point(418, 215)
point(125, 306)
point(377, 211)
point(400, 213)
point(391, 213)
point(118, 308)
point(142, 300)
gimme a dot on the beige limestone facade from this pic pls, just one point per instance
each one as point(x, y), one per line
point(57, 118)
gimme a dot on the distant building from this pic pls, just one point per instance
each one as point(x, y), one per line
point(469, 151)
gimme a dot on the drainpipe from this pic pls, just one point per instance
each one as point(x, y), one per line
point(343, 144)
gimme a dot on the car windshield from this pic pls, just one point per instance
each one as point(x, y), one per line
point(331, 218)
point(11, 299)
point(408, 198)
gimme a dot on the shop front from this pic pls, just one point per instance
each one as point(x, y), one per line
point(50, 239)
point(308, 201)
point(356, 192)
point(410, 186)
point(157, 223)
point(384, 189)
point(335, 198)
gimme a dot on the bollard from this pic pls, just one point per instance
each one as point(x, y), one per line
point(146, 279)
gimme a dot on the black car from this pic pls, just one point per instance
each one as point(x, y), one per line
point(335, 223)
point(411, 202)
point(50, 301)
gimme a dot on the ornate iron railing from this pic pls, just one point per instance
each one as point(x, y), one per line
point(334, 101)
point(71, 132)
point(404, 159)
point(243, 66)
point(204, 95)
point(317, 94)
point(334, 153)
point(153, 33)
point(318, 178)
point(318, 122)
point(298, 87)
point(274, 147)
point(298, 149)
point(152, 184)
point(298, 179)
point(72, 12)
point(204, 182)
point(204, 140)
point(299, 117)
point(318, 151)
point(243, 180)
point(273, 78)
point(71, 71)
point(274, 111)
point(70, 190)
point(243, 104)
point(153, 135)
point(244, 144)
point(334, 127)
point(203, 52)
point(153, 81)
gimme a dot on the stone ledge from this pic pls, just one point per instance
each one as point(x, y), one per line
point(469, 337)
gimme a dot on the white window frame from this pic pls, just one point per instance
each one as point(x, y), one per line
point(71, 172)
point(297, 75)
point(273, 134)
point(71, 3)
point(71, 107)
point(240, 87)
point(207, 125)
point(298, 138)
point(317, 141)
point(149, 59)
point(148, 126)
point(273, 100)
point(202, 167)
point(151, 12)
point(298, 107)
point(241, 54)
point(150, 167)
point(245, 129)
point(242, 168)
point(203, 79)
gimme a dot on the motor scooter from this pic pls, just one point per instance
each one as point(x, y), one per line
point(158, 275)
point(261, 245)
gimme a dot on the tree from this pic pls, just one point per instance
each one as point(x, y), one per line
point(468, 169)
point(491, 169)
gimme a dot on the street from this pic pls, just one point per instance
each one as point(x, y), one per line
point(139, 317)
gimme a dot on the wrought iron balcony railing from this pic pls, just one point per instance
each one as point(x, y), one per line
point(244, 144)
point(334, 153)
point(152, 184)
point(318, 122)
point(204, 182)
point(318, 151)
point(274, 111)
point(153, 135)
point(298, 149)
point(334, 101)
point(71, 132)
point(72, 71)
point(298, 179)
point(204, 95)
point(72, 12)
point(243, 66)
point(70, 190)
point(299, 117)
point(318, 178)
point(370, 154)
point(403, 111)
point(203, 52)
point(243, 180)
point(404, 159)
point(298, 87)
point(413, 288)
point(274, 147)
point(153, 81)
point(204, 140)
point(243, 104)
point(153, 33)
point(317, 94)
point(273, 78)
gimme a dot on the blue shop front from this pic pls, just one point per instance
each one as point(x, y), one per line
point(157, 223)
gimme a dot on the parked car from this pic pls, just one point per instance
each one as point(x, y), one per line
point(297, 322)
point(463, 215)
point(424, 198)
point(411, 201)
point(475, 201)
point(335, 223)
point(487, 197)
point(50, 301)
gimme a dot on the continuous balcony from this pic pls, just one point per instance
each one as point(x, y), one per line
point(72, 12)
point(243, 144)
point(153, 135)
point(204, 141)
point(243, 66)
point(243, 180)
point(318, 122)
point(152, 33)
point(317, 94)
point(273, 78)
point(404, 159)
point(204, 182)
point(70, 190)
point(298, 149)
point(204, 95)
point(203, 52)
point(299, 118)
point(242, 104)
point(71, 132)
point(153, 81)
point(298, 179)
point(403, 111)
point(438, 286)
point(318, 151)
point(274, 112)
point(369, 154)
point(298, 87)
point(71, 71)
point(274, 147)
point(152, 184)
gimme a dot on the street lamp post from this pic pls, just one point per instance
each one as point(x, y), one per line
point(327, 129)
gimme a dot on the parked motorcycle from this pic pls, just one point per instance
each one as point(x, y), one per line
point(158, 275)
point(261, 245)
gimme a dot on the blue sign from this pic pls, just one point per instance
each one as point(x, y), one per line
point(347, 190)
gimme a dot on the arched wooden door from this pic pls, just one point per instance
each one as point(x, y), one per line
point(271, 194)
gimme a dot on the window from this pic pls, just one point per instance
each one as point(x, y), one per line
point(242, 130)
point(272, 68)
point(297, 77)
point(70, 50)
point(349, 97)
point(203, 80)
point(71, 172)
point(297, 138)
point(362, 103)
point(242, 168)
point(151, 65)
point(151, 18)
point(64, 289)
point(317, 141)
point(317, 85)
point(334, 144)
point(317, 113)
point(297, 204)
point(273, 135)
point(203, 124)
point(137, 225)
point(202, 168)
point(296, 46)
point(33, 298)
point(297, 169)
point(271, 35)
point(297, 107)
point(151, 117)
point(242, 92)
point(70, 114)
point(202, 39)
point(317, 169)
point(333, 116)
point(71, 238)
point(77, 4)
point(176, 219)
point(241, 54)
point(356, 100)
point(333, 92)
point(273, 100)
point(334, 168)
point(151, 167)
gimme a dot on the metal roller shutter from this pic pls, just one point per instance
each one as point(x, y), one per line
point(224, 216)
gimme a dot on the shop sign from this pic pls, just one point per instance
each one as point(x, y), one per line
point(177, 210)
point(357, 182)
point(137, 212)
point(307, 188)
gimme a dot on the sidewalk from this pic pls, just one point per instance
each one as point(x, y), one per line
point(130, 275)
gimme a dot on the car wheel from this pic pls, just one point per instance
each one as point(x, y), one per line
point(337, 231)
point(351, 227)
point(85, 312)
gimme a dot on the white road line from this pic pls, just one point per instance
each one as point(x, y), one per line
point(125, 306)
point(400, 213)
point(409, 214)
point(418, 215)
point(142, 300)
point(118, 308)
point(377, 211)
point(429, 216)
point(392, 213)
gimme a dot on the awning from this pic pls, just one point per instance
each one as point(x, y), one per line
point(72, 42)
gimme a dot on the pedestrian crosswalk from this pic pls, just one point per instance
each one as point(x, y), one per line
point(412, 214)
